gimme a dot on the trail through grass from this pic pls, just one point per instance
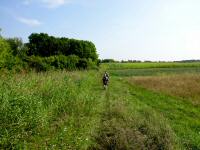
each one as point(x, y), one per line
point(183, 117)
point(125, 125)
point(70, 110)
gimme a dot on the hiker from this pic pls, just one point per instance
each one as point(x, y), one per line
point(105, 80)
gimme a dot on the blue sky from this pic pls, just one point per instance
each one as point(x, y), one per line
point(120, 29)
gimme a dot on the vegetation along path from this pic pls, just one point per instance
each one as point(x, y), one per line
point(70, 110)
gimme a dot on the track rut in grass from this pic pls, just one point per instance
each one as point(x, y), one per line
point(121, 129)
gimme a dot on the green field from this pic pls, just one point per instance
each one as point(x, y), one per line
point(119, 66)
point(71, 110)
point(154, 71)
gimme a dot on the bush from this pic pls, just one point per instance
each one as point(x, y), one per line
point(82, 64)
point(62, 62)
point(107, 61)
point(38, 63)
point(71, 62)
point(45, 52)
point(7, 60)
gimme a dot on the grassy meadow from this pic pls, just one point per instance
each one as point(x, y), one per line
point(119, 66)
point(146, 106)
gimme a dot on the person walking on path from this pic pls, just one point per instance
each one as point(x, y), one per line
point(105, 79)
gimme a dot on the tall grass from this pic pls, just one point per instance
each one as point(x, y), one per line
point(70, 110)
point(42, 109)
point(184, 85)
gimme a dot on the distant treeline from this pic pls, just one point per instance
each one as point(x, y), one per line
point(44, 52)
point(192, 60)
point(146, 61)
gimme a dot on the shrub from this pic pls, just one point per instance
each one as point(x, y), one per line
point(107, 61)
point(7, 60)
point(44, 52)
point(38, 63)
point(82, 64)
point(71, 62)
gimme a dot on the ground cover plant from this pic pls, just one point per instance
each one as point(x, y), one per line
point(71, 110)
point(40, 109)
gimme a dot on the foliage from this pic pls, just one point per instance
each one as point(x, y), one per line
point(44, 52)
point(39, 110)
point(131, 61)
point(70, 110)
point(44, 45)
point(6, 58)
point(107, 61)
point(71, 62)
point(82, 63)
point(38, 63)
point(16, 45)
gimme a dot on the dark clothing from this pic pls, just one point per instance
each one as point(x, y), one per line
point(105, 79)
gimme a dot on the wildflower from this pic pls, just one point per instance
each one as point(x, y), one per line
point(65, 129)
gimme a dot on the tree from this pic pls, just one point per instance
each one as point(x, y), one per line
point(61, 52)
point(6, 57)
point(44, 45)
point(107, 61)
point(38, 44)
point(16, 45)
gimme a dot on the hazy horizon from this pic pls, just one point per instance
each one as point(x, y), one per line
point(122, 30)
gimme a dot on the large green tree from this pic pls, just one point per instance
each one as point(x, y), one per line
point(44, 45)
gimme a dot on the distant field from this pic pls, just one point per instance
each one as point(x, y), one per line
point(153, 71)
point(119, 66)
point(185, 86)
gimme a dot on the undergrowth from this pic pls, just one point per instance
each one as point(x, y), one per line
point(71, 110)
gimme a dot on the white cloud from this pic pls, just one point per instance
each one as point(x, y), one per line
point(54, 3)
point(29, 22)
point(47, 3)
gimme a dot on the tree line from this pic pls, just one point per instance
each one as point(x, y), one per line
point(145, 61)
point(44, 52)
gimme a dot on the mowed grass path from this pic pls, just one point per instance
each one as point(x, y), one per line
point(182, 116)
